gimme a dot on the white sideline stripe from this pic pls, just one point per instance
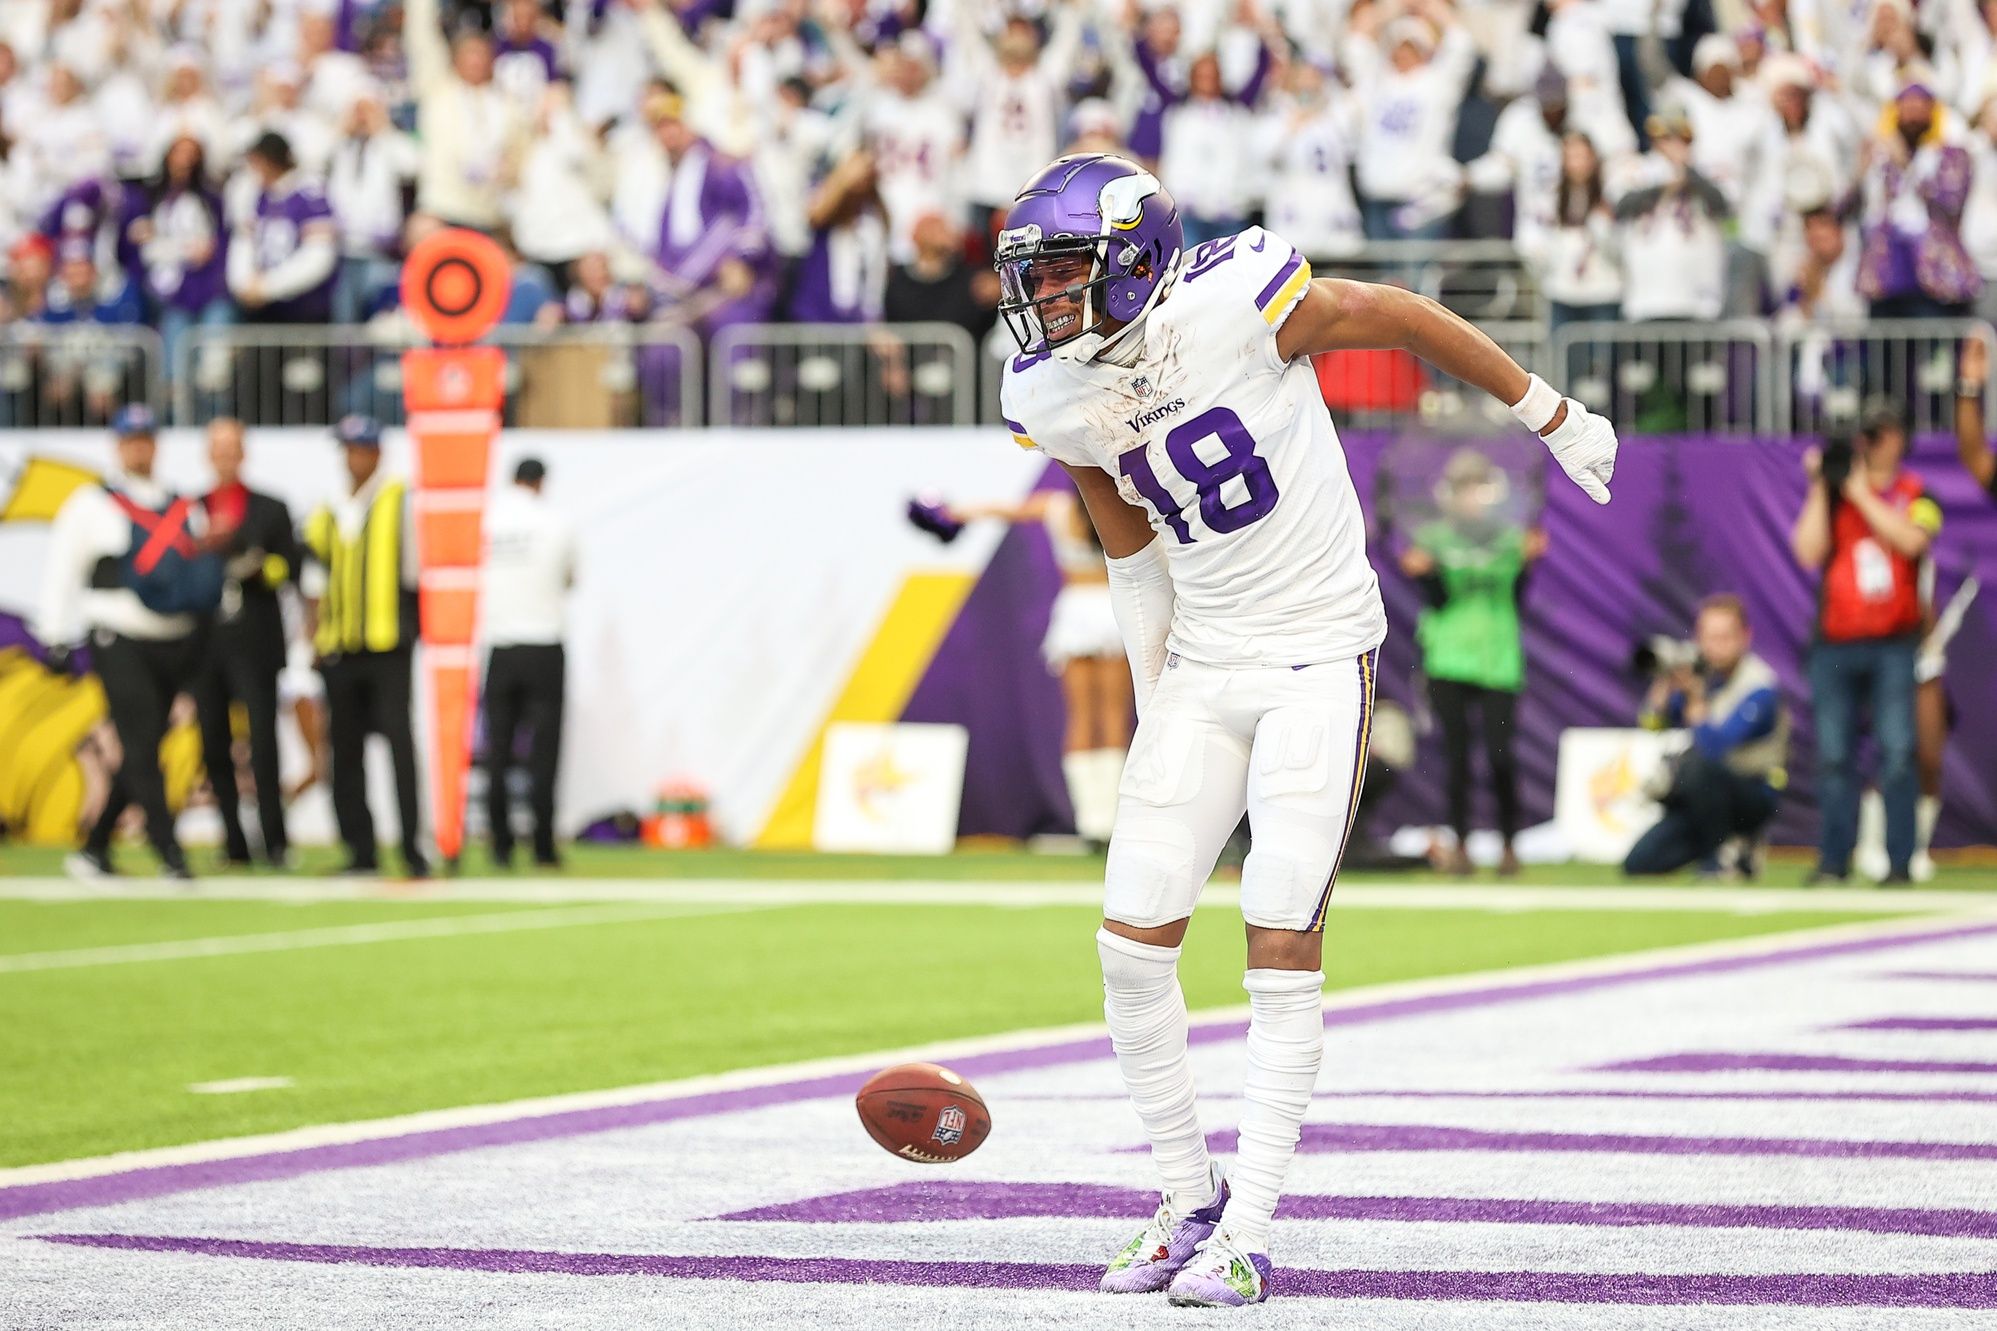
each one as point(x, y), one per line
point(346, 935)
point(333, 1134)
point(803, 892)
point(238, 1085)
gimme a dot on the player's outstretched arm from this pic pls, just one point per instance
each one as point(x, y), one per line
point(1140, 585)
point(1339, 315)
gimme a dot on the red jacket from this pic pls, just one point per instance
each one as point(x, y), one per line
point(1871, 591)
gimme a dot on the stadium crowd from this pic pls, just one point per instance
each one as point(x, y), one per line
point(205, 162)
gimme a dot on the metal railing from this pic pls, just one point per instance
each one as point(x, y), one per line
point(1671, 378)
point(842, 375)
point(587, 376)
point(60, 376)
point(1482, 280)
point(1829, 372)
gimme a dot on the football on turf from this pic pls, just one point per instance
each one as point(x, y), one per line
point(923, 1113)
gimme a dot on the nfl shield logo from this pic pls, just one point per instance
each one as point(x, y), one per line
point(949, 1126)
point(1141, 385)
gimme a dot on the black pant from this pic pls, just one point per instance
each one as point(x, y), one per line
point(1708, 803)
point(368, 693)
point(523, 686)
point(1452, 702)
point(140, 679)
point(234, 674)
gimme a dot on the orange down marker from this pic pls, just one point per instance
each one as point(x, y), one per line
point(455, 286)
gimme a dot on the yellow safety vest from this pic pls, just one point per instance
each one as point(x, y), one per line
point(363, 608)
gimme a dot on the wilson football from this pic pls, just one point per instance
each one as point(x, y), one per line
point(924, 1113)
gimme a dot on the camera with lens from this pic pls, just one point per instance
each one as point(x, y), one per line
point(1840, 452)
point(1662, 655)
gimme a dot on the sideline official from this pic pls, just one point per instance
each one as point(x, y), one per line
point(127, 566)
point(363, 625)
point(246, 649)
point(529, 568)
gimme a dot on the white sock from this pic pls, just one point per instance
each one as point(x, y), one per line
point(1285, 1049)
point(1147, 1025)
point(1927, 812)
point(1076, 771)
point(1105, 776)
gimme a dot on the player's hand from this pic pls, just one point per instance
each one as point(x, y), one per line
point(1584, 445)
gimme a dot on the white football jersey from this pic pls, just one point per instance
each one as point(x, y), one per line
point(1232, 454)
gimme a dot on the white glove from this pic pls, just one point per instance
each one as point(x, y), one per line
point(1584, 445)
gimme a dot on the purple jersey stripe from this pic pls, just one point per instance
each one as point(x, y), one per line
point(1013, 425)
point(1283, 275)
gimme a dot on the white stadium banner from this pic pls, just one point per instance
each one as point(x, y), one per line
point(890, 788)
point(1601, 800)
point(729, 581)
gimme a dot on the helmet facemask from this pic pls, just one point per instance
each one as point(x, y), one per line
point(1050, 291)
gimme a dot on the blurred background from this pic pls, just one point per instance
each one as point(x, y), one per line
point(750, 317)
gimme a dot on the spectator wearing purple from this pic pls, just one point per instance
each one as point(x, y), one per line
point(285, 256)
point(1915, 185)
point(595, 296)
point(1155, 50)
point(712, 257)
point(844, 272)
point(174, 242)
point(524, 61)
point(85, 214)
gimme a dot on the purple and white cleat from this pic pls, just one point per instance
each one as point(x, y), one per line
point(1221, 1275)
point(1149, 1261)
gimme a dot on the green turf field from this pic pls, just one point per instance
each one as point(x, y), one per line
point(102, 1047)
point(978, 865)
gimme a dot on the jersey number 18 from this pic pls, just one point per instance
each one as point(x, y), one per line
point(1207, 477)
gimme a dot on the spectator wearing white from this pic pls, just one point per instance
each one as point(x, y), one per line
point(1893, 54)
point(1979, 215)
point(1577, 43)
point(123, 97)
point(713, 106)
point(1308, 138)
point(367, 185)
point(1810, 155)
point(639, 172)
point(1411, 84)
point(1095, 126)
point(1573, 246)
point(1209, 149)
point(187, 108)
point(795, 139)
point(1729, 138)
point(468, 126)
point(1822, 301)
point(333, 79)
point(1015, 92)
point(1524, 158)
point(917, 140)
point(64, 141)
point(279, 108)
point(1674, 249)
point(607, 50)
point(558, 212)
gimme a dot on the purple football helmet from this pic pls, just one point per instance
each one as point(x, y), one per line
point(1091, 231)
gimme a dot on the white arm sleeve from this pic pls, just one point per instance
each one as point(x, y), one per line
point(1140, 591)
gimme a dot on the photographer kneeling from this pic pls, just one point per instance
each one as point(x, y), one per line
point(1725, 783)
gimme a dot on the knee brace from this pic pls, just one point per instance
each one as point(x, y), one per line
point(1150, 877)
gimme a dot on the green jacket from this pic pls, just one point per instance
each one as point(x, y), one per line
point(1472, 635)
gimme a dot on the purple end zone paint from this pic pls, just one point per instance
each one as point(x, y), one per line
point(164, 1180)
point(1926, 1290)
point(1780, 1062)
point(1336, 1138)
point(947, 1200)
point(1923, 1024)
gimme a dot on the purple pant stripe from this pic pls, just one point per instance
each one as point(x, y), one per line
point(1337, 1138)
point(1367, 665)
point(1925, 1290)
point(1780, 1062)
point(933, 1201)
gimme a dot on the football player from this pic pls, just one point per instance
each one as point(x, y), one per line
point(1175, 386)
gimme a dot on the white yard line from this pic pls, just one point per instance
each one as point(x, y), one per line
point(239, 1085)
point(347, 935)
point(780, 892)
point(332, 1134)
